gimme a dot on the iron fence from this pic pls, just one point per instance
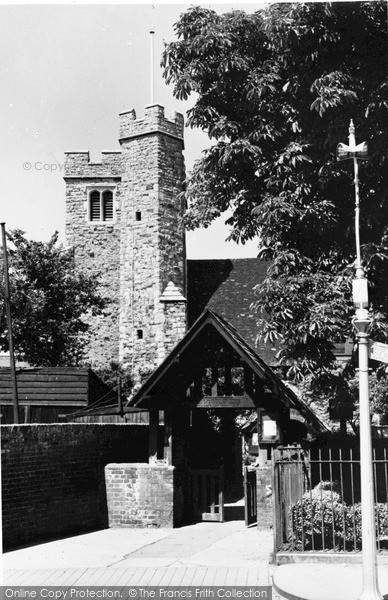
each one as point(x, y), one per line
point(317, 497)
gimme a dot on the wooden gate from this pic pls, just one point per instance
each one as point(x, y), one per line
point(250, 494)
point(291, 480)
point(207, 494)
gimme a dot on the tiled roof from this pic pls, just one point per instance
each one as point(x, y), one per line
point(227, 287)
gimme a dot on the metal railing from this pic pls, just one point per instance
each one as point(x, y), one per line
point(317, 497)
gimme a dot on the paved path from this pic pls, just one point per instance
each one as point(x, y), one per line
point(325, 581)
point(202, 554)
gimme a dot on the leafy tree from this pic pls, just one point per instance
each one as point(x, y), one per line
point(49, 300)
point(112, 374)
point(275, 90)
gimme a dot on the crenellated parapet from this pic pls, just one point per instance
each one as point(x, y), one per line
point(78, 164)
point(152, 122)
point(124, 221)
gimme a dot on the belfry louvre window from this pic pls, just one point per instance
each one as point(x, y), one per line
point(101, 206)
point(95, 206)
point(107, 206)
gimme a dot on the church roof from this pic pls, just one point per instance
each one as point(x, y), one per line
point(226, 286)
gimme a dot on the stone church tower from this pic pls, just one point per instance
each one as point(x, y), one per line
point(123, 220)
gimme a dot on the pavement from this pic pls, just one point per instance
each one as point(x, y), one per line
point(204, 554)
point(331, 581)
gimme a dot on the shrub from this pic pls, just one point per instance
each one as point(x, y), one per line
point(318, 521)
point(322, 521)
point(354, 529)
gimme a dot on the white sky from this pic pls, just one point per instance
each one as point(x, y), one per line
point(66, 71)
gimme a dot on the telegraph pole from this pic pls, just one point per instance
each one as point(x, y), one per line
point(9, 325)
point(361, 323)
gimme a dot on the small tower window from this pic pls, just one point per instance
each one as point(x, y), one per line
point(138, 215)
point(139, 334)
point(101, 206)
point(107, 205)
point(95, 206)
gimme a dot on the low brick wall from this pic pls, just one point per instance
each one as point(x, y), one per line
point(264, 497)
point(53, 480)
point(140, 495)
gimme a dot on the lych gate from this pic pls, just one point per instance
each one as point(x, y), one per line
point(192, 398)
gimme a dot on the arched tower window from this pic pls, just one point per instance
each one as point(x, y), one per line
point(101, 207)
point(95, 206)
point(107, 206)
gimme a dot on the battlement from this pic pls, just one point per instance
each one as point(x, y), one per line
point(123, 219)
point(152, 122)
point(79, 165)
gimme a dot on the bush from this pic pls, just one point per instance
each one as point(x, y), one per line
point(322, 521)
point(354, 523)
point(318, 521)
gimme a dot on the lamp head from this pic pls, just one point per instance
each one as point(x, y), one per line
point(360, 292)
point(362, 321)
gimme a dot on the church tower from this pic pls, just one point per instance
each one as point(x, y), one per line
point(123, 220)
point(152, 250)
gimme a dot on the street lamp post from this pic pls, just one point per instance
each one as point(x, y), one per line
point(361, 322)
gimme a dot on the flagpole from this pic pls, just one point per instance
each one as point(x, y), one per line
point(152, 77)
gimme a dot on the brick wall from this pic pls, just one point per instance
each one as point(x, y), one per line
point(264, 497)
point(140, 495)
point(53, 476)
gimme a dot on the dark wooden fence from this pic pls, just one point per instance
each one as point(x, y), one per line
point(50, 394)
point(317, 496)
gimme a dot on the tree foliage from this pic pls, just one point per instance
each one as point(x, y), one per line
point(112, 374)
point(275, 90)
point(49, 301)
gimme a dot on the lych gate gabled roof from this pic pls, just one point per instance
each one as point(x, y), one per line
point(209, 320)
